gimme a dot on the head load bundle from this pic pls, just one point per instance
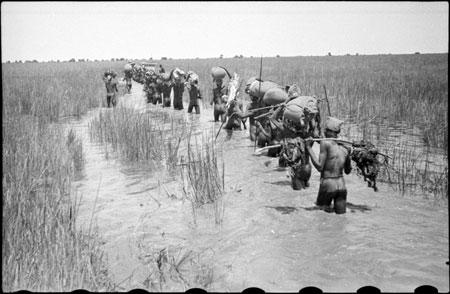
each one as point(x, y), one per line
point(128, 68)
point(177, 75)
point(192, 78)
point(110, 72)
point(302, 115)
point(218, 73)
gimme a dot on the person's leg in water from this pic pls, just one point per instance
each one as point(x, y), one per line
point(340, 202)
point(190, 108)
point(325, 196)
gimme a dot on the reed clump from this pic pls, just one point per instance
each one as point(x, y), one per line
point(151, 137)
point(412, 167)
point(201, 175)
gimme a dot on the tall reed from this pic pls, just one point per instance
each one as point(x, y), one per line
point(203, 183)
point(152, 137)
point(42, 247)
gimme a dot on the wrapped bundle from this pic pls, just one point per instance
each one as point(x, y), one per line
point(127, 68)
point(219, 73)
point(275, 96)
point(110, 72)
point(165, 77)
point(255, 90)
point(192, 77)
point(178, 74)
point(302, 115)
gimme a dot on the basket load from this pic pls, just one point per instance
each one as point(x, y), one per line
point(275, 96)
point(303, 115)
point(258, 88)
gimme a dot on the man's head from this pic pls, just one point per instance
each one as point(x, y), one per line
point(219, 82)
point(332, 126)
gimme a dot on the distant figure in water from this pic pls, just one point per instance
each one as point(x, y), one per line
point(333, 160)
point(111, 88)
point(194, 95)
point(220, 109)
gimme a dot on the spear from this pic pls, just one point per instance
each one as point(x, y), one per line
point(259, 91)
point(260, 74)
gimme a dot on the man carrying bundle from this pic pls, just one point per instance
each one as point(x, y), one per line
point(111, 87)
point(194, 95)
point(128, 72)
point(165, 88)
point(334, 159)
point(150, 87)
point(235, 114)
point(292, 152)
point(220, 109)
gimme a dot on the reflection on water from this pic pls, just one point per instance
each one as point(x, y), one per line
point(272, 237)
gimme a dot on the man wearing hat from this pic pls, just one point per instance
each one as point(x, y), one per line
point(333, 160)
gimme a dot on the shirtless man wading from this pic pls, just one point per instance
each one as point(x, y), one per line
point(333, 160)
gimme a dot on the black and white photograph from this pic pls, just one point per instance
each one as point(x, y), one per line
point(225, 146)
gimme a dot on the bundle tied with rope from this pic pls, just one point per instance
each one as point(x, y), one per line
point(364, 154)
point(293, 153)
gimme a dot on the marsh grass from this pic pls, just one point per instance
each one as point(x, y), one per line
point(151, 137)
point(177, 269)
point(42, 247)
point(413, 167)
point(202, 181)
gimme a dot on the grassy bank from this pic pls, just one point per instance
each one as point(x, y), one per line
point(42, 248)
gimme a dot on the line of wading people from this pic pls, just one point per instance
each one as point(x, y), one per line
point(157, 85)
point(280, 120)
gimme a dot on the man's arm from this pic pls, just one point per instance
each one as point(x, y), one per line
point(348, 163)
point(319, 164)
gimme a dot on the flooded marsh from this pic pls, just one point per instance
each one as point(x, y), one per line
point(163, 206)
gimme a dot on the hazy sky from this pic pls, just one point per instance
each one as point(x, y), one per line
point(102, 30)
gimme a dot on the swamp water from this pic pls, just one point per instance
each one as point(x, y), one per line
point(270, 237)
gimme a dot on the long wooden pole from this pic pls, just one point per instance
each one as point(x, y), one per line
point(315, 140)
point(326, 97)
